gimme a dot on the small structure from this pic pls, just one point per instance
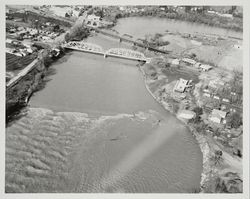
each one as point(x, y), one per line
point(205, 67)
point(186, 114)
point(197, 65)
point(206, 95)
point(175, 62)
point(226, 100)
point(216, 83)
point(181, 85)
point(96, 21)
point(237, 46)
point(206, 91)
point(189, 61)
point(216, 97)
point(217, 116)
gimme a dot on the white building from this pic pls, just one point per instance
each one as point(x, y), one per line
point(217, 116)
point(205, 67)
point(226, 100)
point(186, 114)
point(189, 61)
point(175, 62)
point(181, 85)
point(206, 95)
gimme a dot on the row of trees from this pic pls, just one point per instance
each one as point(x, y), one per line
point(77, 33)
point(189, 14)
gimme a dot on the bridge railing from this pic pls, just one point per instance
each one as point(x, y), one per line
point(120, 52)
point(126, 52)
point(85, 46)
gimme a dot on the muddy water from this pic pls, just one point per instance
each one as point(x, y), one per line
point(95, 128)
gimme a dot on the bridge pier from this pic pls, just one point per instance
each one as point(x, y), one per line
point(120, 40)
point(105, 55)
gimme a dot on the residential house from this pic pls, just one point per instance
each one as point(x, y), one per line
point(205, 67)
point(225, 100)
point(197, 65)
point(216, 97)
point(206, 95)
point(175, 62)
point(181, 85)
point(186, 114)
point(217, 116)
point(189, 61)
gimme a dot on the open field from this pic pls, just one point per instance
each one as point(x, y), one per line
point(220, 53)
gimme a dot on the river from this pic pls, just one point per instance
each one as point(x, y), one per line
point(95, 128)
point(138, 27)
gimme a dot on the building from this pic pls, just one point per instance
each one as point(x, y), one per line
point(96, 21)
point(205, 67)
point(197, 65)
point(181, 85)
point(175, 62)
point(215, 83)
point(217, 116)
point(206, 95)
point(216, 97)
point(189, 61)
point(225, 100)
point(186, 114)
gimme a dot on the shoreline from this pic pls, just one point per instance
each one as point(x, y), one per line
point(204, 146)
point(186, 19)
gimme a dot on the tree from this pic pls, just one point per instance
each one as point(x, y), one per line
point(235, 120)
point(198, 111)
point(193, 56)
point(188, 8)
point(67, 14)
point(67, 37)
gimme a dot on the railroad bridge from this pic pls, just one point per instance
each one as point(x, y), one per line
point(113, 52)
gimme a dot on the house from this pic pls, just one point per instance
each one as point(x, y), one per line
point(237, 46)
point(189, 61)
point(181, 85)
point(205, 67)
point(197, 65)
point(217, 116)
point(93, 17)
point(226, 100)
point(175, 62)
point(96, 21)
point(206, 95)
point(215, 83)
point(186, 114)
point(216, 97)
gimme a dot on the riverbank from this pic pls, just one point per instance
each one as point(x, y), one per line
point(216, 169)
point(229, 23)
point(204, 147)
point(27, 81)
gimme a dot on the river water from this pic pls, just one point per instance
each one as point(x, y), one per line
point(95, 128)
point(138, 27)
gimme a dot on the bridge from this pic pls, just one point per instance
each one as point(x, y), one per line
point(113, 52)
point(136, 42)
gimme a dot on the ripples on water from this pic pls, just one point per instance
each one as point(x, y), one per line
point(48, 151)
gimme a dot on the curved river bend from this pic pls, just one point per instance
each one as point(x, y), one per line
point(95, 128)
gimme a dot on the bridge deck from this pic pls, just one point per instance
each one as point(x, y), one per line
point(130, 41)
point(108, 53)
